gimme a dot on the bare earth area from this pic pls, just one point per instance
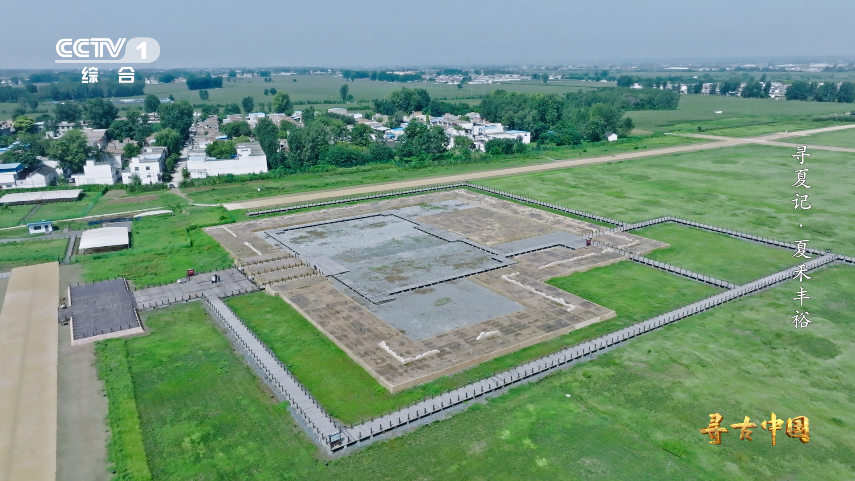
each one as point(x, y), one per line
point(82, 431)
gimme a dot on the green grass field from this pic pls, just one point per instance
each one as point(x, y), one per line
point(746, 188)
point(717, 255)
point(739, 118)
point(142, 201)
point(389, 173)
point(67, 210)
point(633, 413)
point(318, 88)
point(838, 138)
point(162, 249)
point(17, 254)
point(633, 291)
point(12, 215)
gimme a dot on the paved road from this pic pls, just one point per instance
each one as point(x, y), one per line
point(28, 374)
point(717, 142)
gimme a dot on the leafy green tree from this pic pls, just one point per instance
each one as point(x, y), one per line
point(408, 100)
point(166, 78)
point(282, 104)
point(169, 138)
point(68, 111)
point(221, 149)
point(23, 123)
point(266, 91)
point(231, 109)
point(846, 94)
point(753, 90)
point(306, 145)
point(232, 74)
point(203, 94)
point(100, 113)
point(827, 92)
point(308, 114)
point(151, 103)
point(247, 104)
point(624, 81)
point(544, 78)
point(236, 129)
point(800, 90)
point(343, 92)
point(504, 147)
point(285, 127)
point(267, 135)
point(565, 133)
point(625, 127)
point(343, 154)
point(131, 150)
point(177, 116)
point(462, 146)
point(121, 129)
point(395, 120)
point(380, 152)
point(361, 135)
point(209, 110)
point(419, 140)
point(171, 98)
point(31, 88)
point(272, 91)
point(71, 150)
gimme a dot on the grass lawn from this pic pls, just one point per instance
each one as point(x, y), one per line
point(125, 446)
point(67, 210)
point(12, 215)
point(17, 233)
point(390, 173)
point(17, 254)
point(110, 205)
point(633, 413)
point(635, 293)
point(837, 138)
point(740, 117)
point(204, 414)
point(746, 188)
point(716, 255)
point(163, 248)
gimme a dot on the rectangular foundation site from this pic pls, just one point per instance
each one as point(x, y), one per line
point(420, 287)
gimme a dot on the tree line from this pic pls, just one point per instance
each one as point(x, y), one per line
point(381, 76)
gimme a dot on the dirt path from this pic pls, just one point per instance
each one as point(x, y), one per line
point(82, 407)
point(792, 137)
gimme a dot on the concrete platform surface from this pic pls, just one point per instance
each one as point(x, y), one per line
point(28, 378)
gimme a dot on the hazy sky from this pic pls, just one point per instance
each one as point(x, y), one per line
point(361, 33)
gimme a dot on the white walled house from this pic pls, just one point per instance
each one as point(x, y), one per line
point(250, 159)
point(15, 176)
point(518, 135)
point(105, 173)
point(148, 166)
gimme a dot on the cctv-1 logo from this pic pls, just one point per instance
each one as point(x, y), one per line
point(106, 50)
